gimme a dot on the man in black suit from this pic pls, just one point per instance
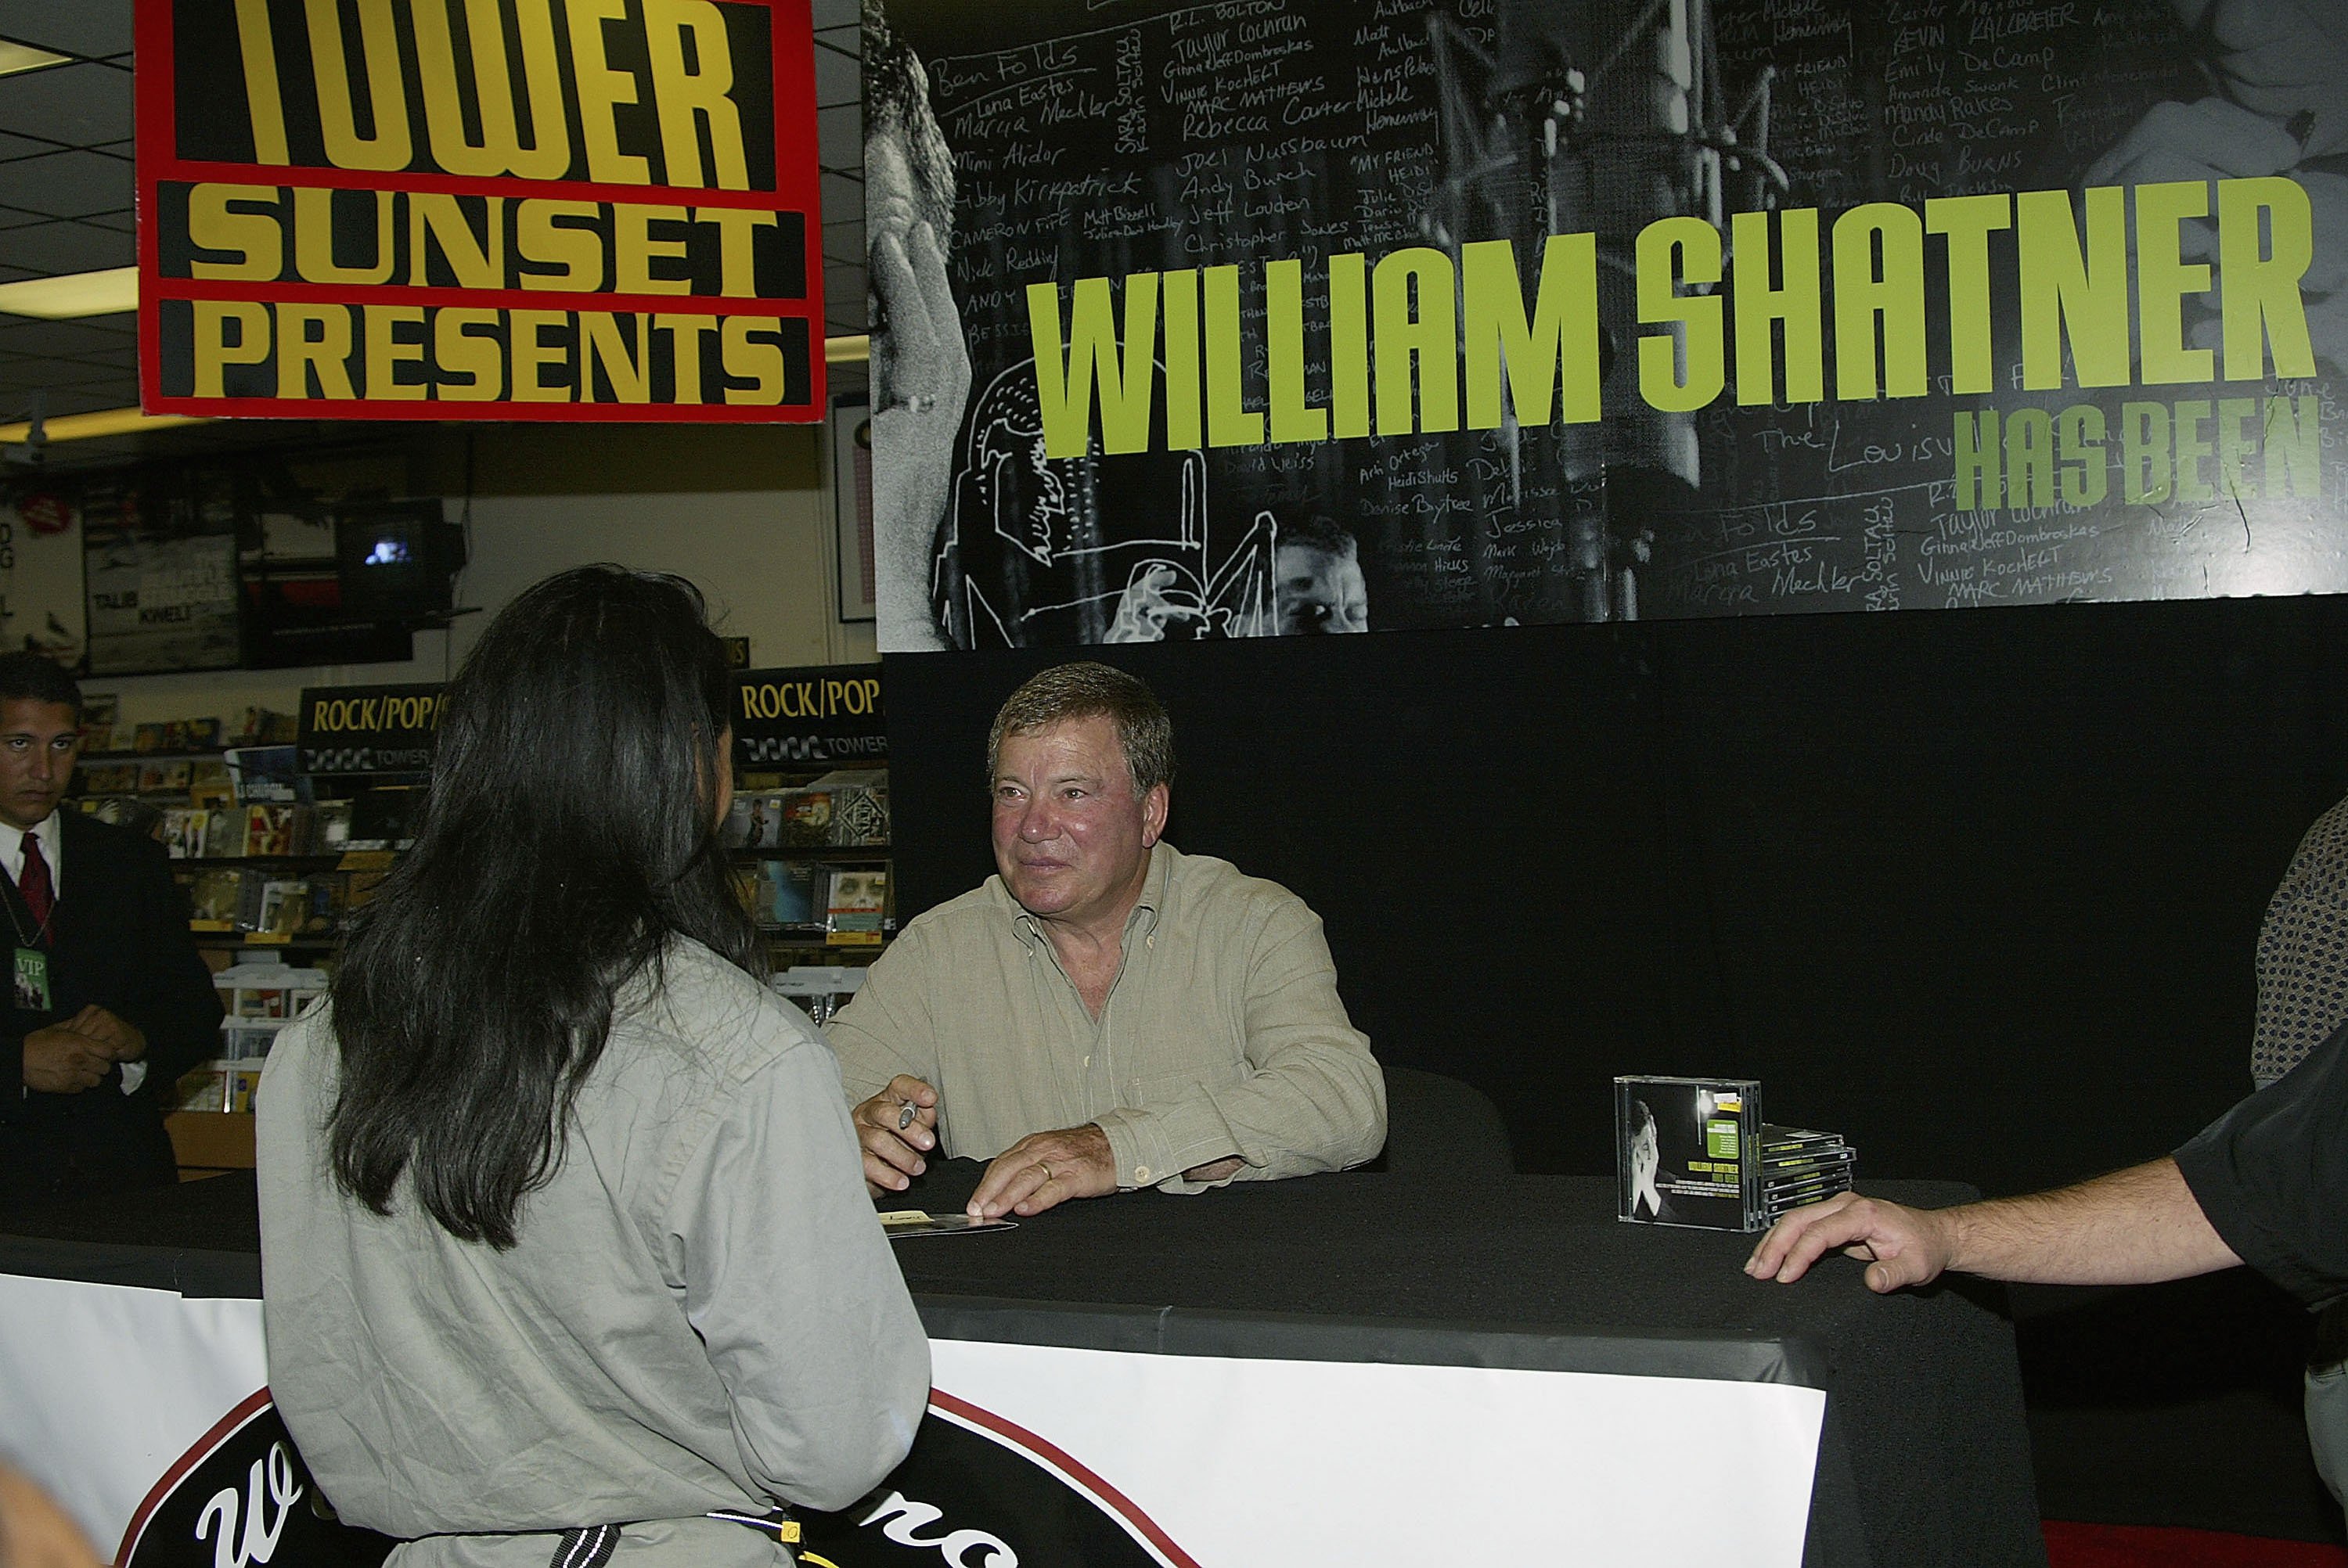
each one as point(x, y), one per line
point(108, 1001)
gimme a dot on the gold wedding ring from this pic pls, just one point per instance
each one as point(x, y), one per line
point(1046, 1169)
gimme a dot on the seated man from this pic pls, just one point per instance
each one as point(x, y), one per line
point(1107, 1013)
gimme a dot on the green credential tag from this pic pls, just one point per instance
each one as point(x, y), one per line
point(32, 979)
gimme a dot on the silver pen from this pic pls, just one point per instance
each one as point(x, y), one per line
point(905, 1114)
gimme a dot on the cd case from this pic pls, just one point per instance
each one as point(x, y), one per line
point(1689, 1152)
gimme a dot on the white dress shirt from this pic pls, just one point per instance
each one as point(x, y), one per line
point(51, 833)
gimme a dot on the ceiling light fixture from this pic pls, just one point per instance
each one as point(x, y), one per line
point(102, 422)
point(14, 57)
point(105, 293)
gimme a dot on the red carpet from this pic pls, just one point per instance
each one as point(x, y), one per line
point(2143, 1546)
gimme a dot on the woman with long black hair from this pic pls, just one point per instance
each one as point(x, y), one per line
point(565, 1246)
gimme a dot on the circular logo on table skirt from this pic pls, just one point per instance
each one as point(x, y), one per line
point(241, 1497)
point(979, 1492)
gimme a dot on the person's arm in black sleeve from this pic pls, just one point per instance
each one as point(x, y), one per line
point(2271, 1174)
point(169, 997)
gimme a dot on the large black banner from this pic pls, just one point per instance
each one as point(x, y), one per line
point(1273, 316)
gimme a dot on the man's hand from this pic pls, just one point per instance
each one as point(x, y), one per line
point(1044, 1170)
point(1907, 1246)
point(35, 1532)
point(893, 1152)
point(122, 1040)
point(61, 1059)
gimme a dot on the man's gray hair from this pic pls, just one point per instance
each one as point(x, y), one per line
point(1087, 690)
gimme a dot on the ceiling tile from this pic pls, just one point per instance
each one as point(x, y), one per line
point(29, 336)
point(845, 241)
point(843, 197)
point(89, 399)
point(24, 147)
point(48, 375)
point(69, 247)
point(836, 13)
point(836, 79)
point(73, 27)
point(67, 184)
point(840, 137)
point(79, 104)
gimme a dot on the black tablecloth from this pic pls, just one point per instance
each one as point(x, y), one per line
point(1924, 1459)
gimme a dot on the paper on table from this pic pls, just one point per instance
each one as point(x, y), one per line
point(902, 1223)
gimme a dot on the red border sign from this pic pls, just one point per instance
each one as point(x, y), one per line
point(215, 325)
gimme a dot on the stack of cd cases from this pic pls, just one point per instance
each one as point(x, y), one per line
point(1798, 1168)
point(1695, 1152)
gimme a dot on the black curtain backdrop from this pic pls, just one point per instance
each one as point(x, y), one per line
point(1979, 889)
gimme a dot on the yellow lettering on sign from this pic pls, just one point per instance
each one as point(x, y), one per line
point(737, 227)
point(600, 91)
point(477, 261)
point(500, 152)
point(302, 350)
point(684, 351)
point(531, 355)
point(755, 359)
point(633, 250)
point(314, 237)
point(388, 146)
point(628, 367)
point(472, 358)
point(264, 103)
point(539, 235)
point(386, 354)
point(684, 98)
point(213, 318)
point(215, 224)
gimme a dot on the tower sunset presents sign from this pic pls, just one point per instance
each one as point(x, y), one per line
point(479, 209)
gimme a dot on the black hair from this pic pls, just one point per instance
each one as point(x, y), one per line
point(26, 675)
point(1320, 532)
point(568, 836)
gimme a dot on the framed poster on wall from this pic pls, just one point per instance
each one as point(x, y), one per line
point(851, 494)
point(160, 571)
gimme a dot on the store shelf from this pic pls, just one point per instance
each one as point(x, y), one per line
point(814, 852)
point(112, 759)
point(204, 1142)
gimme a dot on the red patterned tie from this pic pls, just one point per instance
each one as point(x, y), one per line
point(33, 882)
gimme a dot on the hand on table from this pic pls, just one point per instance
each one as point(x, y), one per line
point(1904, 1247)
point(1044, 1170)
point(892, 1155)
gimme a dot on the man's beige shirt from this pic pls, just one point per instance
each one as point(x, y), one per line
point(1223, 1035)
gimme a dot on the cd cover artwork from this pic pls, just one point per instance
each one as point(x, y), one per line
point(1688, 1151)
